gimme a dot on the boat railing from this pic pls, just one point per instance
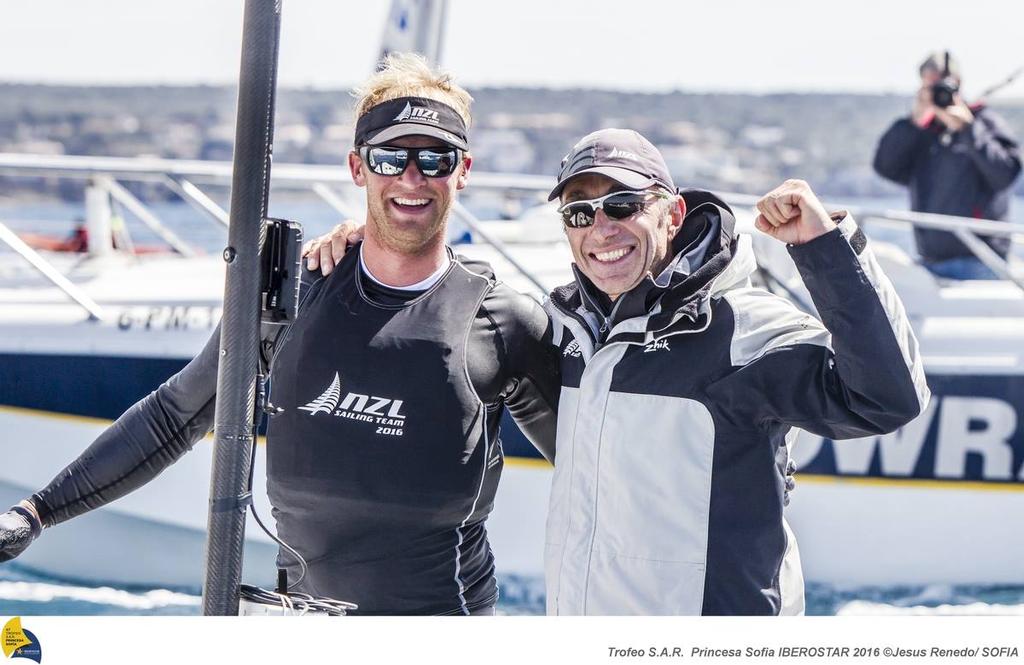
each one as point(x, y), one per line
point(52, 274)
point(967, 229)
point(186, 177)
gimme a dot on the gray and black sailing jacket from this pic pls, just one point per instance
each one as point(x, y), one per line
point(674, 413)
point(384, 462)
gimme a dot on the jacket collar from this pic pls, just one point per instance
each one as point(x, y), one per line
point(703, 250)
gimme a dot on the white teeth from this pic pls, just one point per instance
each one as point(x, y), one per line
point(412, 202)
point(613, 255)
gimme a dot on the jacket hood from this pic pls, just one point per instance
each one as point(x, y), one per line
point(708, 258)
point(728, 259)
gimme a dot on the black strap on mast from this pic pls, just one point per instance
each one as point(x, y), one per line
point(240, 325)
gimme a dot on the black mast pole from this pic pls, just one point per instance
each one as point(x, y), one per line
point(240, 324)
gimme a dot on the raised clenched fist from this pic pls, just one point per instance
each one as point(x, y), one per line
point(793, 214)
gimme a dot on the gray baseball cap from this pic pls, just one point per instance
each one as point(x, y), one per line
point(621, 154)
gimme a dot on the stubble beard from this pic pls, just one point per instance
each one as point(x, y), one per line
point(409, 239)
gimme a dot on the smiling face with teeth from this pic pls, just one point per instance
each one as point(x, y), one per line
point(408, 213)
point(617, 254)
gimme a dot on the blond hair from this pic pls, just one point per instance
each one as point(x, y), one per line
point(409, 75)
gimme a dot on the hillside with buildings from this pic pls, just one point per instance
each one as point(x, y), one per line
point(730, 142)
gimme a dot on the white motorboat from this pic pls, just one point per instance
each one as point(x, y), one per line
point(941, 501)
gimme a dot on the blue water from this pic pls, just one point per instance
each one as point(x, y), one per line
point(24, 593)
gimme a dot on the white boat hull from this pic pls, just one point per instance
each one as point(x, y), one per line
point(856, 532)
point(154, 537)
point(941, 502)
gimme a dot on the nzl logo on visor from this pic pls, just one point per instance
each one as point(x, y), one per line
point(385, 412)
point(411, 112)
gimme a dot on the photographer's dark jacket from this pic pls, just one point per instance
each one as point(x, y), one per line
point(967, 173)
point(383, 465)
point(676, 407)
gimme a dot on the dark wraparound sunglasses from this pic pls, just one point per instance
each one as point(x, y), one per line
point(436, 162)
point(617, 205)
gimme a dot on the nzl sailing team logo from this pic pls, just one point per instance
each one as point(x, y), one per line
point(411, 112)
point(385, 412)
point(20, 643)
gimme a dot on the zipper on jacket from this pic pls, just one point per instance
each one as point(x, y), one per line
point(600, 437)
point(579, 319)
point(607, 325)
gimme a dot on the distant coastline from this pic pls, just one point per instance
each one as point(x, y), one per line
point(729, 142)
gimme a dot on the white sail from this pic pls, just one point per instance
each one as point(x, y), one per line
point(415, 26)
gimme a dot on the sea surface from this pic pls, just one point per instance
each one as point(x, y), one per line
point(23, 592)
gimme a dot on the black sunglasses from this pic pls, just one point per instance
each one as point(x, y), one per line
point(617, 205)
point(436, 162)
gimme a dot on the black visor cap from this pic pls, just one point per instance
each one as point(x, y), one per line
point(411, 116)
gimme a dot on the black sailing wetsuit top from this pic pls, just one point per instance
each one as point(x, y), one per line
point(383, 466)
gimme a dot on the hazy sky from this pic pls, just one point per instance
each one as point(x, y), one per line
point(734, 45)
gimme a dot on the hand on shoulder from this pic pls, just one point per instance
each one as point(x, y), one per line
point(329, 249)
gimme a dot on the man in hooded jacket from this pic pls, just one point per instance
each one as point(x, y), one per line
point(682, 383)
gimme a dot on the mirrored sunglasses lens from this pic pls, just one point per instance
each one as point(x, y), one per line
point(436, 164)
point(623, 205)
point(387, 161)
point(578, 216)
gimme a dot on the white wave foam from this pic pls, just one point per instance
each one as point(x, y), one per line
point(933, 594)
point(862, 607)
point(44, 593)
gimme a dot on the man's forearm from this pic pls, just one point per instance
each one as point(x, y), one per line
point(536, 413)
point(145, 440)
point(877, 359)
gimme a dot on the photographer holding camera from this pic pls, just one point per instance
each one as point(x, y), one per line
point(956, 159)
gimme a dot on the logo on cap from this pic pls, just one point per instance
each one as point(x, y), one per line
point(411, 112)
point(622, 154)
